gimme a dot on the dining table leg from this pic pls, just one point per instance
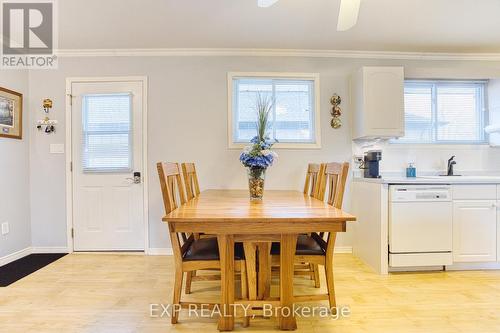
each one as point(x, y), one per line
point(287, 319)
point(226, 252)
point(264, 289)
point(250, 249)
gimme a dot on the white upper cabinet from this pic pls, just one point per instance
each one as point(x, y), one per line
point(377, 96)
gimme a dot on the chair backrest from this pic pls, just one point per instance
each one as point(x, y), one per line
point(171, 185)
point(334, 175)
point(171, 189)
point(311, 186)
point(190, 180)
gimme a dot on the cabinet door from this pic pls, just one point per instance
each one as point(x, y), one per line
point(384, 101)
point(498, 228)
point(474, 231)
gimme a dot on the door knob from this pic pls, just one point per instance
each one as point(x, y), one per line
point(136, 179)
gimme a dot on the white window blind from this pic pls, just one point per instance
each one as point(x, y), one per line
point(107, 133)
point(292, 119)
point(444, 112)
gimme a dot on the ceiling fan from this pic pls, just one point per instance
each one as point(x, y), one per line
point(348, 14)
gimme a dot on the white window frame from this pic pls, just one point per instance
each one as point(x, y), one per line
point(484, 114)
point(276, 75)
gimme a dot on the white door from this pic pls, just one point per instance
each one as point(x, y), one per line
point(107, 148)
point(474, 231)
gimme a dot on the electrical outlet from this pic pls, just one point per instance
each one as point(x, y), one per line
point(5, 228)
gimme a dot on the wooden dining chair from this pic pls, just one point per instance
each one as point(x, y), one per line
point(311, 186)
point(318, 248)
point(190, 180)
point(192, 191)
point(191, 254)
point(334, 176)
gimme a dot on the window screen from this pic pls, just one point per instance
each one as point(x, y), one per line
point(292, 119)
point(444, 112)
point(107, 133)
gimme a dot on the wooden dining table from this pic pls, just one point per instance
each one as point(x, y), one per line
point(279, 216)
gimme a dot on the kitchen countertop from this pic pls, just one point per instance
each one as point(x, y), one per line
point(432, 180)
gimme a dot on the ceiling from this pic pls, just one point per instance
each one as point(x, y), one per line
point(383, 25)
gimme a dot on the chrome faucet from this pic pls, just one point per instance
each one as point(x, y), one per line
point(451, 163)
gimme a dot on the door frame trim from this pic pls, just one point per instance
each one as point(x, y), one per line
point(69, 150)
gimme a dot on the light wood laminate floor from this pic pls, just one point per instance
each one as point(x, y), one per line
point(112, 293)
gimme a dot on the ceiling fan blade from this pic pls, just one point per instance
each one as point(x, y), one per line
point(348, 14)
point(266, 3)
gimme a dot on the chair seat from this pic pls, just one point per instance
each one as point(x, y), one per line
point(306, 246)
point(208, 249)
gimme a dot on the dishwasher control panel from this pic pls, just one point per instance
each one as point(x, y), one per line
point(406, 193)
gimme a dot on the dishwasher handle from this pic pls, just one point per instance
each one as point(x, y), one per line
point(420, 193)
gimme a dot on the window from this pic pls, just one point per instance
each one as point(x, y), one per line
point(294, 121)
point(107, 137)
point(444, 112)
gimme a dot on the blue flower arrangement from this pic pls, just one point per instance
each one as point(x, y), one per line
point(259, 155)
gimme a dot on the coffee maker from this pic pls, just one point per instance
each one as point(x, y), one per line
point(372, 163)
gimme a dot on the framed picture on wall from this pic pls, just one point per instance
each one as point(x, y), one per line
point(11, 114)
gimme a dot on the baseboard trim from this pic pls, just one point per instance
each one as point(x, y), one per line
point(473, 266)
point(15, 256)
point(343, 249)
point(165, 251)
point(160, 251)
point(42, 249)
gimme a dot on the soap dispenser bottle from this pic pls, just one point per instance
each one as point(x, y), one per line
point(411, 171)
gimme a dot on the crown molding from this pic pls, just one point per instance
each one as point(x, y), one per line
point(232, 52)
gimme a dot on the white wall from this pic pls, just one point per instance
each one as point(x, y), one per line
point(14, 173)
point(187, 122)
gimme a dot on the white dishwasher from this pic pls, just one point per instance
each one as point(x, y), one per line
point(420, 225)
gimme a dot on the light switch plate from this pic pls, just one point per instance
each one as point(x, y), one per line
point(5, 228)
point(57, 148)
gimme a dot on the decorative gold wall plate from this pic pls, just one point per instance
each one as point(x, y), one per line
point(335, 100)
point(336, 123)
point(336, 111)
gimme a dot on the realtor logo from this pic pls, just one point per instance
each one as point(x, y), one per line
point(29, 36)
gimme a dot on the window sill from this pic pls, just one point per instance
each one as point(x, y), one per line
point(298, 146)
point(438, 145)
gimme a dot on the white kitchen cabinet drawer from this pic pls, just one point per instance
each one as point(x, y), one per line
point(474, 192)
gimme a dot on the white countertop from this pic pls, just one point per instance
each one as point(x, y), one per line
point(432, 180)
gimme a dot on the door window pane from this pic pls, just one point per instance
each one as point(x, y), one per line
point(107, 133)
